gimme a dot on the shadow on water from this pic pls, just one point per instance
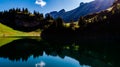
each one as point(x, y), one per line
point(93, 53)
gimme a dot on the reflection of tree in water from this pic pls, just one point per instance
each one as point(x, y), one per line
point(99, 54)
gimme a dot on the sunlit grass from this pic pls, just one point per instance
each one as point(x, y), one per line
point(67, 25)
point(7, 31)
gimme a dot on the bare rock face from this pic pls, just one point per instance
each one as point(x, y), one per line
point(118, 1)
point(82, 10)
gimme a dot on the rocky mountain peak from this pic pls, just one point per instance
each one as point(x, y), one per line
point(62, 11)
point(117, 1)
point(82, 3)
point(83, 9)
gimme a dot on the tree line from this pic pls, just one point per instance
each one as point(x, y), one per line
point(102, 23)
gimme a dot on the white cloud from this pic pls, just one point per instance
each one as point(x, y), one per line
point(40, 2)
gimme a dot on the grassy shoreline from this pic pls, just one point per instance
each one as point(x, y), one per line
point(6, 31)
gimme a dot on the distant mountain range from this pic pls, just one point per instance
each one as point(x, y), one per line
point(82, 10)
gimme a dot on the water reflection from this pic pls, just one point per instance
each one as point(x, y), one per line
point(4, 41)
point(41, 64)
point(29, 52)
point(50, 61)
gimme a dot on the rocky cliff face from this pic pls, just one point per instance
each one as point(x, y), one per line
point(82, 10)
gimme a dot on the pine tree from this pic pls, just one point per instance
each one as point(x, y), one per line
point(59, 22)
point(81, 21)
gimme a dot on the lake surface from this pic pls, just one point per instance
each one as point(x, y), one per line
point(50, 61)
point(33, 52)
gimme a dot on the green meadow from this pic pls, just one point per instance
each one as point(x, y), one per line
point(6, 31)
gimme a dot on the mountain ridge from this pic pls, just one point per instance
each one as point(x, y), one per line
point(82, 10)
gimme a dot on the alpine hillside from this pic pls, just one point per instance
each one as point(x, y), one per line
point(82, 10)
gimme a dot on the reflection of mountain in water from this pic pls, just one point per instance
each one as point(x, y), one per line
point(104, 55)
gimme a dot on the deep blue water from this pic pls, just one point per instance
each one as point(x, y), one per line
point(18, 53)
point(50, 61)
point(31, 52)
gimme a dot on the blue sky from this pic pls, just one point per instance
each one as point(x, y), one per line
point(43, 6)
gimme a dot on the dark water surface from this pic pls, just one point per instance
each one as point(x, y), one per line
point(33, 52)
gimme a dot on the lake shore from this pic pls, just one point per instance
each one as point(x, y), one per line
point(29, 34)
